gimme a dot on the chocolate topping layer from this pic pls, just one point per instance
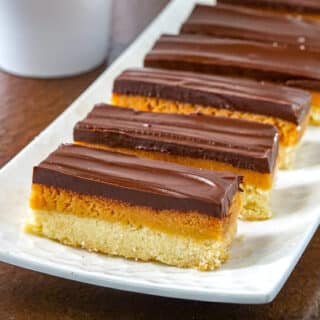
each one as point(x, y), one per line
point(296, 6)
point(242, 144)
point(138, 181)
point(217, 91)
point(239, 22)
point(236, 57)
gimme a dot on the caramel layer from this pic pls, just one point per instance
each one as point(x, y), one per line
point(189, 224)
point(315, 99)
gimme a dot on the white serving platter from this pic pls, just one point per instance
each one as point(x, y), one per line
point(263, 255)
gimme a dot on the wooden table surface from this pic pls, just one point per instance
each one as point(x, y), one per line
point(27, 106)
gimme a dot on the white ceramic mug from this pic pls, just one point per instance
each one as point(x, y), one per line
point(53, 38)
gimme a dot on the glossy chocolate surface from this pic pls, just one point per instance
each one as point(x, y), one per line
point(156, 184)
point(239, 22)
point(245, 58)
point(242, 144)
point(217, 91)
point(296, 6)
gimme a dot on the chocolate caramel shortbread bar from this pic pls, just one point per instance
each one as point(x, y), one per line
point(241, 58)
point(227, 21)
point(136, 208)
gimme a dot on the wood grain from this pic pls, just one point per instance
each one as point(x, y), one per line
point(27, 107)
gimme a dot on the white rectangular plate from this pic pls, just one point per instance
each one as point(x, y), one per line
point(263, 255)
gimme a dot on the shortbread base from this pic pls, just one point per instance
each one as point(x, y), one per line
point(139, 243)
point(315, 116)
point(180, 239)
point(287, 156)
point(256, 204)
